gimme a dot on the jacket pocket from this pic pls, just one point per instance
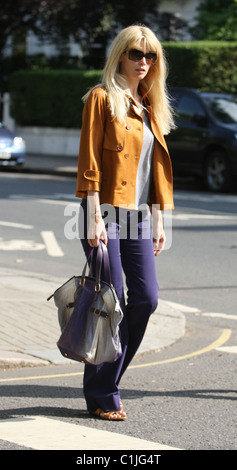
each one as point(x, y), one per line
point(114, 136)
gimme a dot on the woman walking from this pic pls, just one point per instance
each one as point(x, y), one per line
point(124, 166)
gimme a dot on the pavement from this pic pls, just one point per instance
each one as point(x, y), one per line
point(49, 165)
point(29, 327)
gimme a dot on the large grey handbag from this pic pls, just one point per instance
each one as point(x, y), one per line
point(89, 315)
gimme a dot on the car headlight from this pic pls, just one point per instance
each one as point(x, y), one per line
point(19, 143)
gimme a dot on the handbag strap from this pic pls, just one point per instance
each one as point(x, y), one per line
point(102, 258)
point(88, 261)
point(106, 262)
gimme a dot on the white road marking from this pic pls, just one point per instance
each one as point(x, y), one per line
point(187, 309)
point(183, 308)
point(41, 433)
point(55, 201)
point(228, 349)
point(51, 244)
point(22, 245)
point(187, 216)
point(220, 315)
point(63, 199)
point(202, 197)
point(15, 225)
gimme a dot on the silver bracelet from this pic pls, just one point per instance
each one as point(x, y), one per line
point(93, 214)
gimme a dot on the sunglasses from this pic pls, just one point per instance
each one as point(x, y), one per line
point(136, 55)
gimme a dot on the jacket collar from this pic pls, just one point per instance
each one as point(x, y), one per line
point(154, 124)
point(143, 95)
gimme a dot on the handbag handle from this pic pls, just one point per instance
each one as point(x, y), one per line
point(88, 261)
point(102, 257)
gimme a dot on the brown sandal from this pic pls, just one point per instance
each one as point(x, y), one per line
point(118, 415)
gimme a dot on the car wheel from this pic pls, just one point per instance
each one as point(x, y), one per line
point(217, 172)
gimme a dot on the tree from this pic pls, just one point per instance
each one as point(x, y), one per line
point(16, 18)
point(216, 20)
point(171, 27)
point(91, 23)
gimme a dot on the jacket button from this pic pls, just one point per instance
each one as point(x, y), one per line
point(119, 148)
point(128, 127)
point(124, 183)
point(126, 155)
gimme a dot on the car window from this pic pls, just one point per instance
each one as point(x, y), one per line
point(189, 108)
point(223, 109)
point(174, 97)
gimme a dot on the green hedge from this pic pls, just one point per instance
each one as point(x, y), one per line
point(50, 98)
point(53, 97)
point(207, 66)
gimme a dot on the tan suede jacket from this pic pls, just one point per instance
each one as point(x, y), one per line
point(109, 155)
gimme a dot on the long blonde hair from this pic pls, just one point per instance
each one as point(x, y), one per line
point(154, 83)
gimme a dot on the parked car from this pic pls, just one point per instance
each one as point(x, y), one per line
point(12, 148)
point(205, 140)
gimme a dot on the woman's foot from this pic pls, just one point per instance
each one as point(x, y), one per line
point(118, 415)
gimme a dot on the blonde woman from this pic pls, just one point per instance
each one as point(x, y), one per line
point(124, 167)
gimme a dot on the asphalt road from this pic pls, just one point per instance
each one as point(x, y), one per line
point(182, 396)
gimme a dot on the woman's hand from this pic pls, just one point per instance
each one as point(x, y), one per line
point(159, 243)
point(96, 231)
point(159, 237)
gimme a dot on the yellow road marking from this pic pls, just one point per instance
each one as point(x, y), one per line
point(53, 376)
point(216, 344)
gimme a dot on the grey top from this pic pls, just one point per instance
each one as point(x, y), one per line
point(144, 170)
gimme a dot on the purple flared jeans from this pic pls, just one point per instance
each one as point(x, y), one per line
point(132, 257)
